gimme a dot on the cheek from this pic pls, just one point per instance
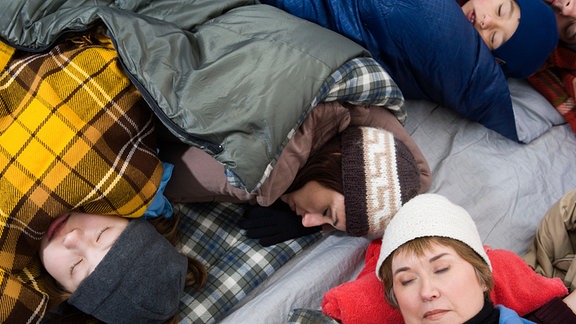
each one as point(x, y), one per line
point(53, 260)
point(567, 39)
point(468, 299)
point(409, 304)
point(46, 250)
point(405, 297)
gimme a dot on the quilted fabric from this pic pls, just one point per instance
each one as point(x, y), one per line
point(429, 48)
point(74, 134)
point(236, 264)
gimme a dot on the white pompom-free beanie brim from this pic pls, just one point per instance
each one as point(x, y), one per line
point(430, 215)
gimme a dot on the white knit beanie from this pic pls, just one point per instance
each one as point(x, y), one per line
point(430, 215)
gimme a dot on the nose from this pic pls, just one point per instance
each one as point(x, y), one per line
point(73, 239)
point(429, 291)
point(313, 219)
point(486, 21)
point(565, 7)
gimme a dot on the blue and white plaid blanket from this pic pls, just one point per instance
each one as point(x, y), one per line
point(236, 264)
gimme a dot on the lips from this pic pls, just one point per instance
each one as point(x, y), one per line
point(434, 314)
point(56, 226)
point(471, 17)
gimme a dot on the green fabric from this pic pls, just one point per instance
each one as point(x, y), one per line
point(221, 75)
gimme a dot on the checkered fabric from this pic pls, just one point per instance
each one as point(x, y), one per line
point(309, 316)
point(74, 134)
point(363, 81)
point(236, 264)
point(360, 81)
point(555, 81)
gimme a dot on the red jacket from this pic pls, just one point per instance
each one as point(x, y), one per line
point(555, 81)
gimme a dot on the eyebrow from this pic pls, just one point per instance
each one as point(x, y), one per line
point(401, 270)
point(432, 259)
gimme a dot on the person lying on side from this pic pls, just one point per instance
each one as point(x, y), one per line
point(520, 33)
point(99, 262)
point(556, 80)
point(313, 185)
point(458, 54)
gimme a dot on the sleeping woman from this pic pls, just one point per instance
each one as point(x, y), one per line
point(520, 33)
point(325, 177)
point(96, 261)
point(80, 171)
point(434, 268)
point(82, 101)
point(439, 51)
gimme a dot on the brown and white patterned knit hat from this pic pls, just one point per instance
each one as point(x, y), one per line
point(379, 174)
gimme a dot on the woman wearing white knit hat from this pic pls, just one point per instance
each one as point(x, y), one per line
point(434, 268)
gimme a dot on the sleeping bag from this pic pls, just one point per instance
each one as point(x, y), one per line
point(231, 77)
point(429, 48)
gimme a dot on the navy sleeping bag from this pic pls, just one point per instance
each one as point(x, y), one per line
point(429, 48)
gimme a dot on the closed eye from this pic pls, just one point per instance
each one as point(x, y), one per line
point(101, 232)
point(570, 31)
point(326, 213)
point(406, 282)
point(74, 266)
point(442, 270)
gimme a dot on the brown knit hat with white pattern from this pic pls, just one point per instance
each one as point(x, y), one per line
point(379, 174)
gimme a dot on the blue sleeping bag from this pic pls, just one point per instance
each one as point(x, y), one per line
point(429, 48)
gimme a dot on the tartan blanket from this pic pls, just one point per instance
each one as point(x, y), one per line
point(236, 264)
point(556, 81)
point(74, 134)
point(309, 316)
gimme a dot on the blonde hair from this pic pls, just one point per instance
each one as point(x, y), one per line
point(419, 246)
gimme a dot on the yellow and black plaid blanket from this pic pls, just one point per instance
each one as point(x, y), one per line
point(74, 134)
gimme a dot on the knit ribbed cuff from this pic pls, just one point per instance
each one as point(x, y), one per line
point(555, 311)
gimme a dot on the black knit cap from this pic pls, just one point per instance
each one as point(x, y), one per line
point(140, 280)
point(379, 174)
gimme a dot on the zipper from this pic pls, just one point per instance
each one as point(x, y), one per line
point(203, 144)
point(57, 39)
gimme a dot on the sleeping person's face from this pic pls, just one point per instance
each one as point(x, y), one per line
point(495, 20)
point(566, 28)
point(564, 7)
point(438, 286)
point(317, 205)
point(75, 243)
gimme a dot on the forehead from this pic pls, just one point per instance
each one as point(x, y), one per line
point(95, 219)
point(410, 252)
point(313, 191)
